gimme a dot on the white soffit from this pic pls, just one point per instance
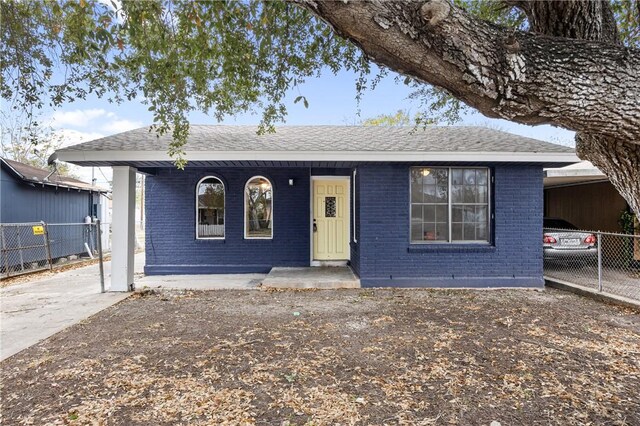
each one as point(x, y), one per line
point(80, 156)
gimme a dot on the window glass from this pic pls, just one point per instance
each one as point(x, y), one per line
point(449, 200)
point(210, 201)
point(429, 204)
point(258, 208)
point(470, 206)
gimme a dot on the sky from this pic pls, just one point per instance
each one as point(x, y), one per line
point(332, 100)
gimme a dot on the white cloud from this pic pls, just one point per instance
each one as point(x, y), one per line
point(78, 117)
point(120, 125)
point(72, 137)
point(90, 122)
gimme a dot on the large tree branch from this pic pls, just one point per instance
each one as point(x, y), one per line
point(587, 86)
point(578, 19)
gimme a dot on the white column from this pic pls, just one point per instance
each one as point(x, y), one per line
point(123, 228)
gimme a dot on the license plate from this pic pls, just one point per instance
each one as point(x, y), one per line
point(570, 241)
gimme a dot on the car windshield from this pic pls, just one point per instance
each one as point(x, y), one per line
point(558, 224)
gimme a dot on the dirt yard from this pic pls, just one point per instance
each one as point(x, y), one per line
point(335, 357)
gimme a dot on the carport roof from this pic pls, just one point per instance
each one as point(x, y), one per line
point(575, 174)
point(219, 143)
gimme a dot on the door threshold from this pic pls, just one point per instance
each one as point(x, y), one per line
point(331, 263)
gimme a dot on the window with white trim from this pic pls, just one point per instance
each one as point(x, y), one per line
point(258, 208)
point(210, 208)
point(450, 204)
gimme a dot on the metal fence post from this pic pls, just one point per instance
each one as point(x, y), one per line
point(47, 243)
point(20, 251)
point(599, 239)
point(5, 252)
point(100, 261)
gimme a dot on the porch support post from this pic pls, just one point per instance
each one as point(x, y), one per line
point(123, 228)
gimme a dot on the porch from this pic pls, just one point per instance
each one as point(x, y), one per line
point(316, 277)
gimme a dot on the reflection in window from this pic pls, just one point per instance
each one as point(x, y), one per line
point(258, 199)
point(469, 205)
point(449, 204)
point(210, 208)
point(429, 204)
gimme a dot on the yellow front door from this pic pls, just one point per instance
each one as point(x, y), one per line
point(330, 220)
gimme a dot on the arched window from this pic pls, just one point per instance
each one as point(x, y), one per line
point(210, 208)
point(258, 208)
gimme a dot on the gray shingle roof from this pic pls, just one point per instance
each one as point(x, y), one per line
point(327, 139)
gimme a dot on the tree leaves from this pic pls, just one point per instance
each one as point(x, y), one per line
point(222, 58)
point(303, 99)
point(219, 57)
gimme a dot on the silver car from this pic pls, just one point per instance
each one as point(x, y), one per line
point(562, 240)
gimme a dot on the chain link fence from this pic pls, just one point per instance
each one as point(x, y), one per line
point(30, 247)
point(603, 261)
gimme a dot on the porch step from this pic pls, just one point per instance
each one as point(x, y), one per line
point(322, 277)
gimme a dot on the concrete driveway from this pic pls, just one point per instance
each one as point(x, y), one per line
point(32, 311)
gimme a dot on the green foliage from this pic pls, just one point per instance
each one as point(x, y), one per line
point(498, 12)
point(218, 57)
point(627, 14)
point(627, 221)
point(400, 118)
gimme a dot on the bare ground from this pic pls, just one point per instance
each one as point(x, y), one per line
point(335, 357)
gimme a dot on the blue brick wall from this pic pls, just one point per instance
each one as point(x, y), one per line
point(382, 256)
point(171, 246)
point(386, 257)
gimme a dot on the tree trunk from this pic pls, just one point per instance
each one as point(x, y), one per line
point(617, 159)
point(590, 86)
point(582, 19)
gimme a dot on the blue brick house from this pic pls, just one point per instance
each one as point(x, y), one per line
point(440, 207)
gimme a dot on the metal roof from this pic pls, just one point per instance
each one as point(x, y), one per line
point(37, 175)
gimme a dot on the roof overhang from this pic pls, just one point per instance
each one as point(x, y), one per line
point(84, 157)
point(569, 177)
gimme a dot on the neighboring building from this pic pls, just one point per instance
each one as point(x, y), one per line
point(31, 194)
point(582, 195)
point(446, 207)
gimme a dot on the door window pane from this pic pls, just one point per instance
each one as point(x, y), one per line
point(330, 207)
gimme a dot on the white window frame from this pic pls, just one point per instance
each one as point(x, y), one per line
point(244, 200)
point(224, 215)
point(489, 240)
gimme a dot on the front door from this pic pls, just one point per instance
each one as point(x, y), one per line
point(330, 219)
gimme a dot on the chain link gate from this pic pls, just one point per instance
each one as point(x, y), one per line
point(611, 266)
point(31, 247)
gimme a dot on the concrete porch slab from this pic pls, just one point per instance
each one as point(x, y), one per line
point(312, 277)
point(200, 282)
